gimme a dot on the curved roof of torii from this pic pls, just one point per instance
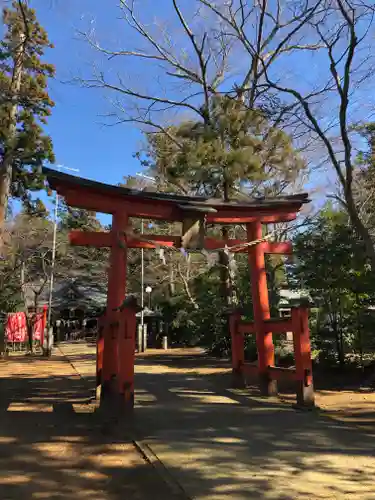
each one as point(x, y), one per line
point(100, 197)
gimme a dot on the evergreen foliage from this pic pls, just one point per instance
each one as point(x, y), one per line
point(29, 147)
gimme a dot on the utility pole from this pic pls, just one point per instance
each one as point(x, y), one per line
point(141, 336)
point(52, 260)
point(141, 347)
point(14, 91)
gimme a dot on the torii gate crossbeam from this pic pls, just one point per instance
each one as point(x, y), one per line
point(117, 373)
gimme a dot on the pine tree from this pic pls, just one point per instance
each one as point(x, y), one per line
point(24, 105)
point(236, 153)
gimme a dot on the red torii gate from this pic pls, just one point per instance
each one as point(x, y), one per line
point(117, 374)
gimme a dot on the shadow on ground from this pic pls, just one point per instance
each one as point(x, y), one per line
point(53, 446)
point(226, 443)
point(217, 442)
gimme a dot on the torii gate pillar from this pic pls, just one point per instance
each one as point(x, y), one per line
point(115, 297)
point(264, 341)
point(117, 355)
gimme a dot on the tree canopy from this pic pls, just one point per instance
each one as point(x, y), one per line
point(24, 104)
point(234, 153)
point(331, 265)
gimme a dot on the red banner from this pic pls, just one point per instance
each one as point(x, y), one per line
point(16, 327)
point(39, 325)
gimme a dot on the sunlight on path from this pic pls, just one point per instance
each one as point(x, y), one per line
point(224, 443)
point(52, 446)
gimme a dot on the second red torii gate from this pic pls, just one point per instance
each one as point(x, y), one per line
point(119, 327)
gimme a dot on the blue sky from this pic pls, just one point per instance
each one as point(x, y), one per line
point(81, 140)
point(77, 126)
point(80, 135)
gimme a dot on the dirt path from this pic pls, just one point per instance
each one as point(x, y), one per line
point(220, 443)
point(52, 445)
point(217, 443)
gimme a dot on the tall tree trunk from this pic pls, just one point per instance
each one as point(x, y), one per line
point(30, 329)
point(337, 340)
point(341, 330)
point(171, 287)
point(337, 331)
point(360, 228)
point(28, 318)
point(6, 164)
point(359, 330)
point(225, 281)
point(227, 291)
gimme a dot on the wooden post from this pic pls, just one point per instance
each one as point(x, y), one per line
point(238, 351)
point(44, 324)
point(127, 333)
point(266, 355)
point(99, 354)
point(302, 355)
point(115, 297)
